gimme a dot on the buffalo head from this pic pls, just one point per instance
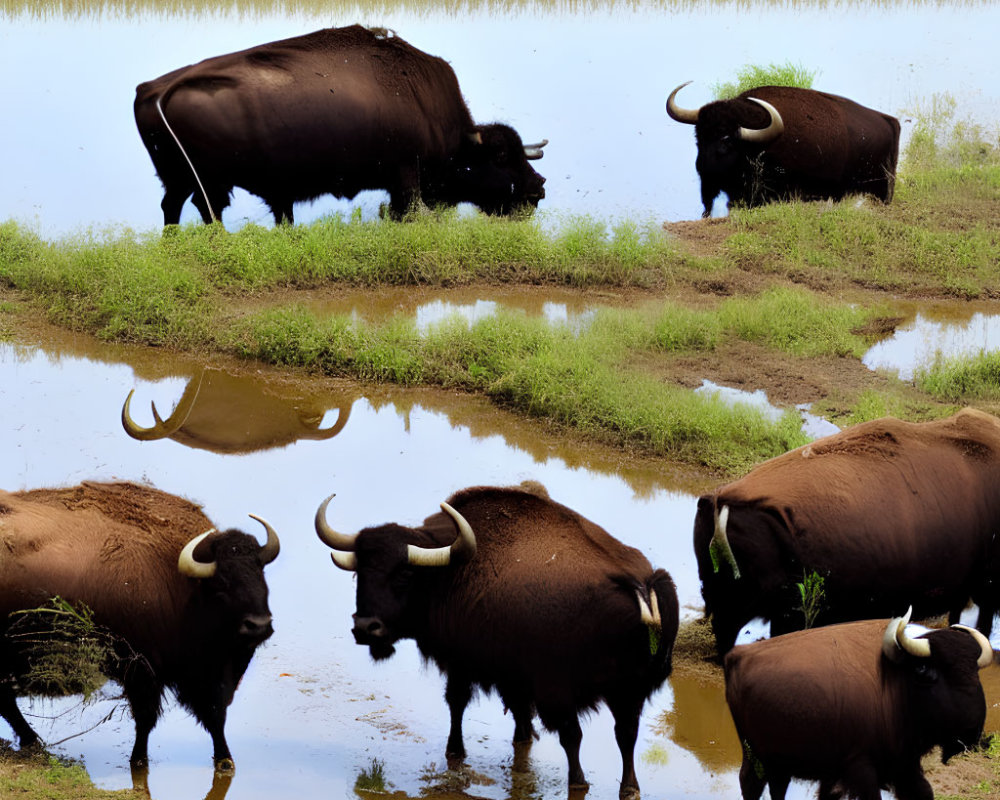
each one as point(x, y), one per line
point(231, 604)
point(944, 690)
point(491, 170)
point(731, 135)
point(392, 562)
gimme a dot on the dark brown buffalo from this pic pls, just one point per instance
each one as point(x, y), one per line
point(336, 112)
point(855, 706)
point(186, 604)
point(511, 592)
point(227, 413)
point(780, 143)
point(885, 512)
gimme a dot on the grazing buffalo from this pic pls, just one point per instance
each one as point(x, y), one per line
point(885, 513)
point(834, 705)
point(227, 413)
point(336, 111)
point(511, 592)
point(780, 143)
point(185, 605)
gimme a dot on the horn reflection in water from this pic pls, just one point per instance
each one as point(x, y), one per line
point(227, 412)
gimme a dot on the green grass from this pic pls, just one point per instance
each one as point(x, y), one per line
point(962, 379)
point(45, 777)
point(753, 75)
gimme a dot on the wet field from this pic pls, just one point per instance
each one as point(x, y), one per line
point(313, 711)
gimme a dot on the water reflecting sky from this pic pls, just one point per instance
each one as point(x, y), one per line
point(593, 82)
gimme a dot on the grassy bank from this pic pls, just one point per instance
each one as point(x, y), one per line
point(194, 289)
point(46, 777)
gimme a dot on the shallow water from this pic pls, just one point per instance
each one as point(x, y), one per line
point(313, 711)
point(592, 78)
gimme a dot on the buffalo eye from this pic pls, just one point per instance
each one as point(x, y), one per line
point(926, 674)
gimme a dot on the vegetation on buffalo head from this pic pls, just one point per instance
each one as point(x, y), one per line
point(754, 75)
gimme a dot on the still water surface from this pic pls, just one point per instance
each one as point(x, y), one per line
point(592, 78)
point(313, 711)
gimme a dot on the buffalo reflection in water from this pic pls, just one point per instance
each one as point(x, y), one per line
point(231, 414)
point(221, 782)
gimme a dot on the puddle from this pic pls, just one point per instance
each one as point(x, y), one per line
point(312, 711)
point(941, 329)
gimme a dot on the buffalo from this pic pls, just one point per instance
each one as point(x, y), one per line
point(835, 705)
point(336, 112)
point(780, 142)
point(506, 590)
point(885, 513)
point(184, 605)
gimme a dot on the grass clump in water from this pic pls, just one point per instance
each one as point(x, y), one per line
point(962, 379)
point(753, 75)
point(372, 779)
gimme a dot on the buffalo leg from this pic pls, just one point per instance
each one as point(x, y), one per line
point(777, 785)
point(913, 786)
point(726, 630)
point(173, 202)
point(218, 200)
point(987, 611)
point(522, 710)
point(570, 736)
point(457, 693)
point(216, 727)
point(144, 695)
point(282, 211)
point(752, 779)
point(861, 781)
point(406, 193)
point(26, 736)
point(626, 716)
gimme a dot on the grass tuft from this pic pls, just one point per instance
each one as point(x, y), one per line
point(753, 75)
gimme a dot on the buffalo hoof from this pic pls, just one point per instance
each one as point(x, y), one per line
point(628, 793)
point(577, 789)
point(224, 765)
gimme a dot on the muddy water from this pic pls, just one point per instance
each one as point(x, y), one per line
point(313, 712)
point(932, 330)
point(591, 77)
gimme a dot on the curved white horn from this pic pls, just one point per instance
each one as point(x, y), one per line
point(890, 647)
point(464, 547)
point(689, 116)
point(270, 549)
point(330, 537)
point(764, 135)
point(186, 563)
point(920, 648)
point(986, 649)
point(533, 152)
point(346, 561)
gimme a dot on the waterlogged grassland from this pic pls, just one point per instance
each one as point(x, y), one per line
point(44, 776)
point(785, 290)
point(189, 287)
